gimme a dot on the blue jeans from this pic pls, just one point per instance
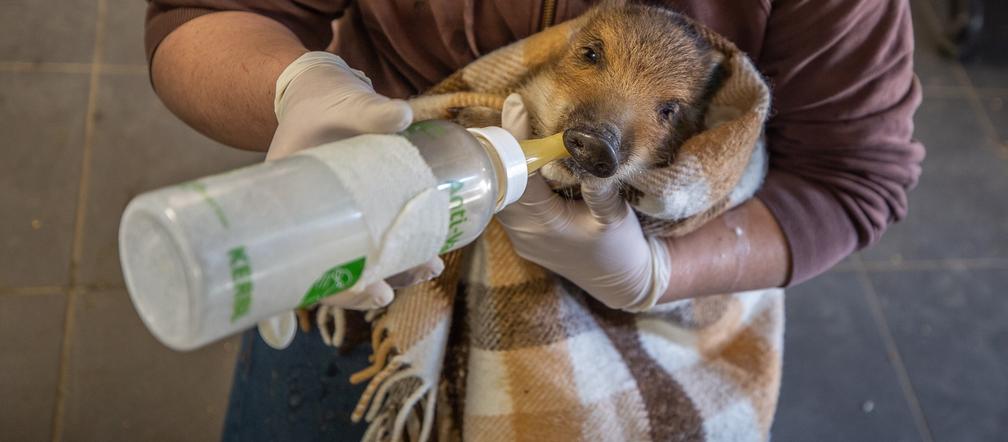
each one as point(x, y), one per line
point(301, 393)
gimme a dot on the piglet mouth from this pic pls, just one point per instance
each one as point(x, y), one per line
point(594, 149)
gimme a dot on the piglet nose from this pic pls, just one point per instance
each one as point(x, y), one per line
point(595, 151)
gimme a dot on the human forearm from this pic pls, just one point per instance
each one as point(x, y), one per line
point(743, 249)
point(218, 74)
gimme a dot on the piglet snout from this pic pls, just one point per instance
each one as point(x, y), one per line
point(594, 150)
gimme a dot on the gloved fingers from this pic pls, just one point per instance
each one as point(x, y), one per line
point(377, 294)
point(604, 201)
point(661, 268)
point(332, 335)
point(369, 112)
point(358, 113)
point(537, 191)
point(320, 99)
point(515, 117)
point(421, 273)
point(314, 74)
point(539, 206)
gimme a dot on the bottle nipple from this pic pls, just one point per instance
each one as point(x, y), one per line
point(540, 151)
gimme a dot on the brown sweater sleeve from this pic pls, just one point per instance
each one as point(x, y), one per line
point(842, 157)
point(310, 20)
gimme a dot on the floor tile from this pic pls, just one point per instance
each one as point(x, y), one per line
point(951, 131)
point(958, 210)
point(124, 32)
point(139, 146)
point(934, 69)
point(35, 31)
point(32, 331)
point(837, 383)
point(987, 76)
point(997, 109)
point(124, 383)
point(951, 331)
point(42, 122)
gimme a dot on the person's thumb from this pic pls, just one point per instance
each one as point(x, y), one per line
point(360, 112)
point(378, 114)
point(515, 117)
point(378, 294)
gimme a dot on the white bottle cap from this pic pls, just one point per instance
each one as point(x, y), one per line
point(512, 158)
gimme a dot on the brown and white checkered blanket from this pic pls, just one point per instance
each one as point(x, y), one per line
point(497, 348)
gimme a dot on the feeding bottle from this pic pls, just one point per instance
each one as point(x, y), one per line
point(209, 258)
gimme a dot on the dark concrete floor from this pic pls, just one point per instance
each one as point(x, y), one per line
point(905, 341)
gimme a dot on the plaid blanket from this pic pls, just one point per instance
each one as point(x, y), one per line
point(497, 348)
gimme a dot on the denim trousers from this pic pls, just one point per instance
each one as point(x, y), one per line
point(301, 393)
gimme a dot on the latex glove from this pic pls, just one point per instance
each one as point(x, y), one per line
point(320, 99)
point(597, 243)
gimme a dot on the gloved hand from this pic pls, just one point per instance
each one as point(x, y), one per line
point(597, 243)
point(320, 99)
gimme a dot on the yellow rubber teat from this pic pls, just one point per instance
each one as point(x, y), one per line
point(540, 151)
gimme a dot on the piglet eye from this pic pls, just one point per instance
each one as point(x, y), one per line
point(668, 110)
point(590, 55)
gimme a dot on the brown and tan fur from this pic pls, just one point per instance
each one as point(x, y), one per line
point(639, 76)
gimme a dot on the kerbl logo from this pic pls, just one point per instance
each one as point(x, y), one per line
point(457, 216)
point(241, 278)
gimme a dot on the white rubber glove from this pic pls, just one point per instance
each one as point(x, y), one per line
point(597, 244)
point(320, 99)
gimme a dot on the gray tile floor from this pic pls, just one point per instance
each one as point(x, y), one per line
point(906, 341)
point(909, 340)
point(83, 133)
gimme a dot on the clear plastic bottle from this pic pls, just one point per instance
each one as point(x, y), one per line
point(209, 258)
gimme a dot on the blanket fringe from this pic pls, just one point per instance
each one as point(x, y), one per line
point(386, 384)
point(372, 388)
point(335, 336)
point(384, 375)
point(375, 430)
point(407, 409)
point(390, 419)
point(389, 415)
point(380, 356)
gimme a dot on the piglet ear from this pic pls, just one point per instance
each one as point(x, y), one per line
point(717, 74)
